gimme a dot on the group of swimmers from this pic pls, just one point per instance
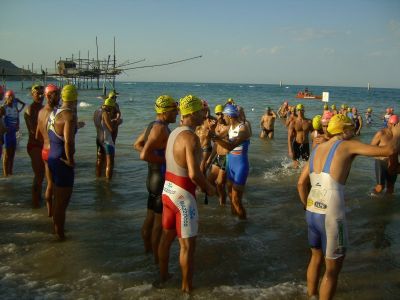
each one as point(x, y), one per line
point(204, 152)
point(179, 162)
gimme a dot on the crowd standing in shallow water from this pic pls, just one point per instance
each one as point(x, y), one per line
point(219, 134)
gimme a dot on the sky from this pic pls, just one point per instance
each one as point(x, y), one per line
point(310, 42)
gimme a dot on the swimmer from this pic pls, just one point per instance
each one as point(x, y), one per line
point(34, 146)
point(368, 116)
point(9, 112)
point(321, 189)
point(151, 144)
point(62, 126)
point(52, 94)
point(357, 120)
point(180, 214)
point(237, 169)
point(218, 157)
point(298, 131)
point(267, 123)
point(386, 167)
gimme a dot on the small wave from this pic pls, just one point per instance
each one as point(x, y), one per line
point(84, 104)
point(251, 86)
point(283, 171)
point(128, 83)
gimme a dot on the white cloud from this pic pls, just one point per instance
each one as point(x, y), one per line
point(245, 51)
point(269, 51)
point(375, 54)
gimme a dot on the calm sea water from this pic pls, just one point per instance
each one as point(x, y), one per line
point(263, 258)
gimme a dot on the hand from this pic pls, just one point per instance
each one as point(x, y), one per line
point(68, 162)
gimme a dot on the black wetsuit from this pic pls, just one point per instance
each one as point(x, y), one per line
point(155, 176)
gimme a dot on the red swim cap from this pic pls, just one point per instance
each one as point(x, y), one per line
point(1, 89)
point(9, 93)
point(51, 88)
point(394, 119)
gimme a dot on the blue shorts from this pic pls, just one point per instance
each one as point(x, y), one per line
point(237, 169)
point(316, 230)
point(110, 149)
point(63, 175)
point(10, 139)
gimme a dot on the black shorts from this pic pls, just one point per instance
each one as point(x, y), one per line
point(301, 151)
point(155, 184)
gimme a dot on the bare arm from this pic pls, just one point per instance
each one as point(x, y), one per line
point(22, 104)
point(107, 120)
point(244, 134)
point(139, 142)
point(290, 139)
point(69, 138)
point(191, 144)
point(304, 185)
point(376, 139)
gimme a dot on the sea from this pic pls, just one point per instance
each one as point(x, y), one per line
point(264, 257)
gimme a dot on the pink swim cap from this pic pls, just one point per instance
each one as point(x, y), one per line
point(394, 119)
point(51, 88)
point(326, 117)
point(10, 93)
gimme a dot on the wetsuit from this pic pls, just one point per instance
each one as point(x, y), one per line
point(326, 210)
point(356, 122)
point(237, 168)
point(383, 176)
point(11, 122)
point(155, 176)
point(178, 197)
point(99, 137)
point(63, 175)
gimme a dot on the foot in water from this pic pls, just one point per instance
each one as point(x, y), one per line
point(161, 284)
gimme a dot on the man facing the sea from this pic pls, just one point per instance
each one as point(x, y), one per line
point(151, 144)
point(180, 215)
point(35, 145)
point(321, 189)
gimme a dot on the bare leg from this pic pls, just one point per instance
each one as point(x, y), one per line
point(147, 228)
point(156, 235)
point(99, 163)
point(313, 272)
point(237, 194)
point(38, 170)
point(62, 196)
point(329, 281)
point(109, 165)
point(229, 186)
point(167, 237)
point(186, 259)
point(49, 194)
point(8, 161)
point(221, 182)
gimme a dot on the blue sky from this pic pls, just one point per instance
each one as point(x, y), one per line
point(341, 43)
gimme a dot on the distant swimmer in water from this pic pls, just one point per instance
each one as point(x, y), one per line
point(357, 120)
point(180, 214)
point(267, 123)
point(34, 146)
point(368, 116)
point(386, 167)
point(9, 112)
point(283, 110)
point(298, 144)
point(321, 189)
point(218, 157)
point(334, 111)
point(52, 94)
point(238, 162)
point(62, 126)
point(151, 144)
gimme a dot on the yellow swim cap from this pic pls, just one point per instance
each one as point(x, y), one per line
point(230, 101)
point(338, 123)
point(316, 122)
point(369, 109)
point(190, 104)
point(333, 106)
point(109, 102)
point(299, 106)
point(69, 93)
point(219, 109)
point(36, 87)
point(165, 103)
point(326, 106)
point(112, 94)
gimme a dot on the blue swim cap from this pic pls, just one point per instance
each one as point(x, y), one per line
point(231, 110)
